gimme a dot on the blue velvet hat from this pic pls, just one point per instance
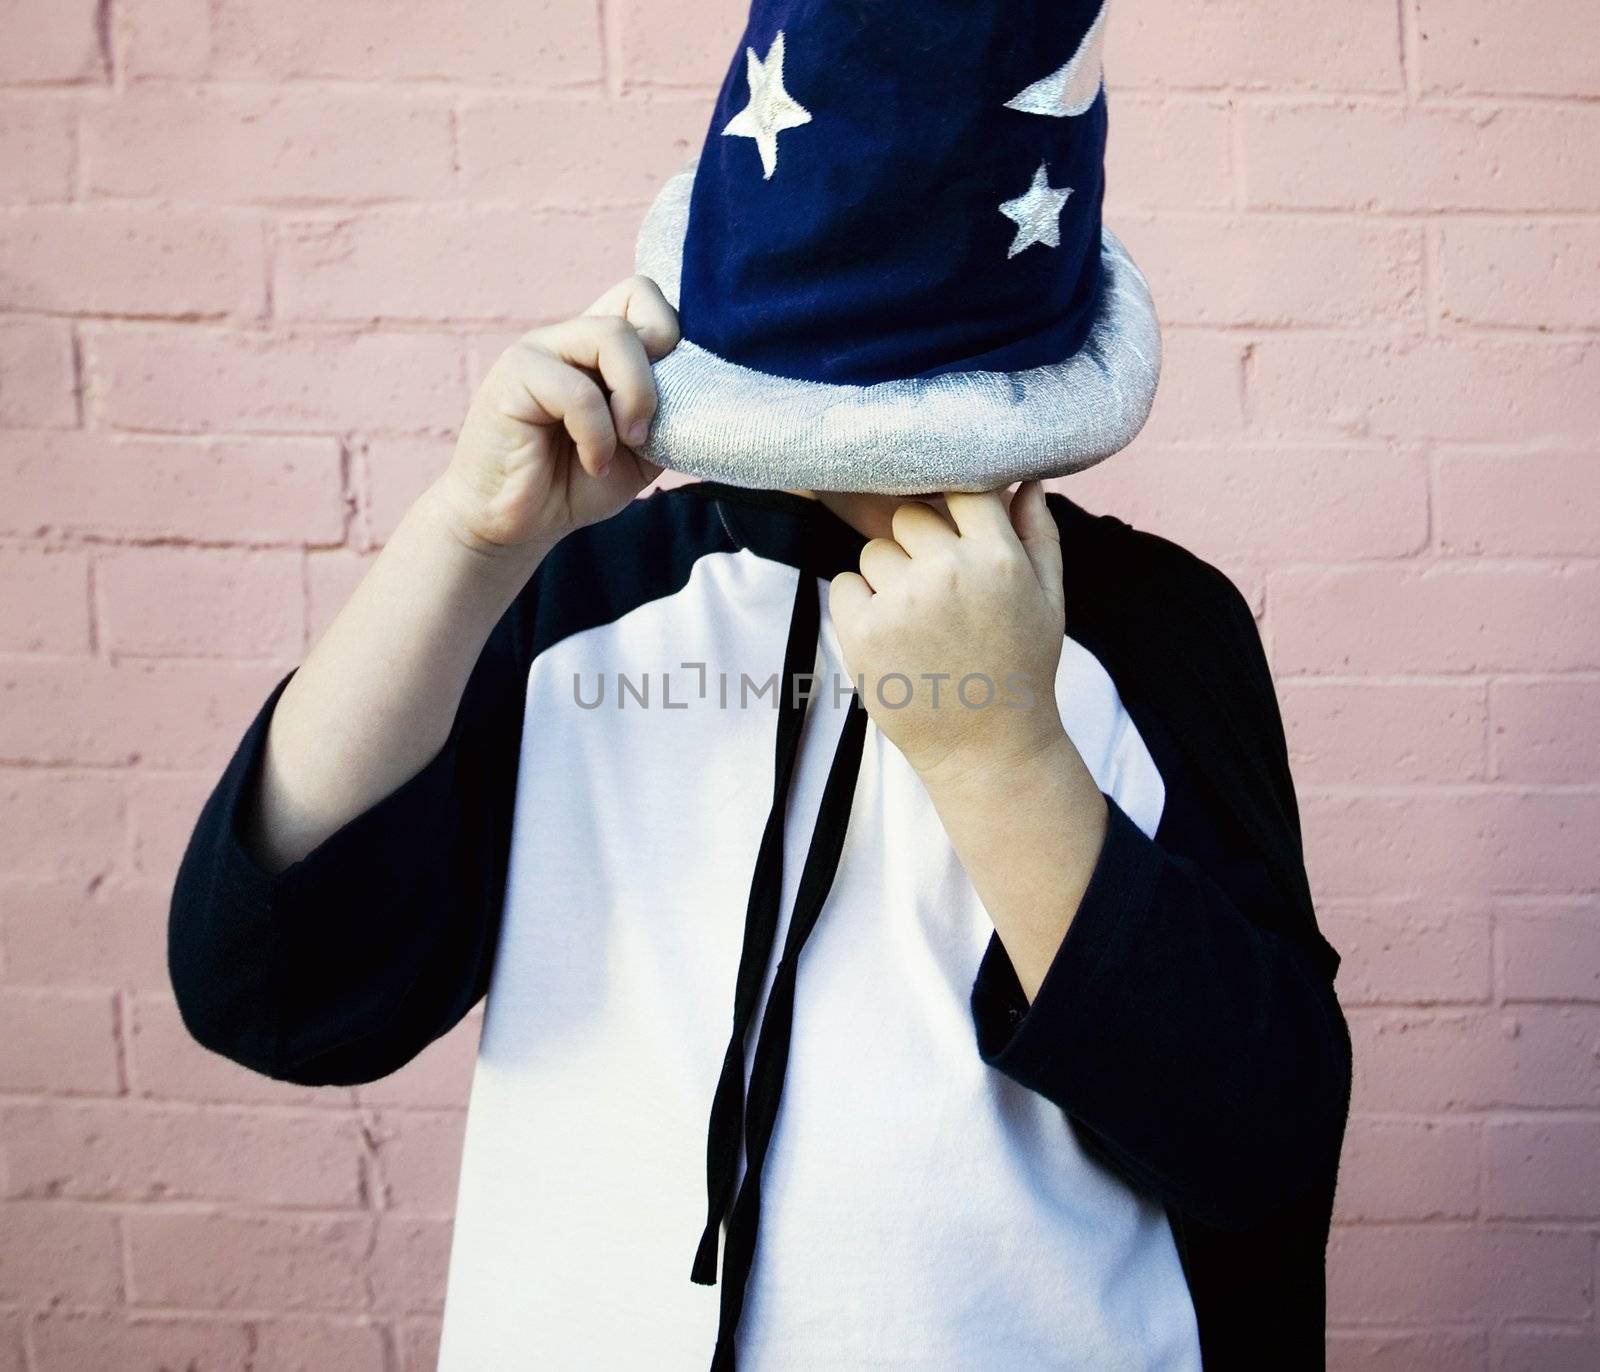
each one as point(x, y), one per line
point(888, 258)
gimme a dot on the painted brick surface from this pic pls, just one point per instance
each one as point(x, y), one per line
point(253, 255)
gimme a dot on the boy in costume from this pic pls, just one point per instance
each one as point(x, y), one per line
point(1060, 1078)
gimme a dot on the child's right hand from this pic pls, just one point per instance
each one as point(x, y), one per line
point(547, 446)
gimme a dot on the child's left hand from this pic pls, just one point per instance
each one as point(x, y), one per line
point(955, 631)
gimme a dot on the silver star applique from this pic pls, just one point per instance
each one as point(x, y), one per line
point(771, 109)
point(1037, 213)
point(1071, 88)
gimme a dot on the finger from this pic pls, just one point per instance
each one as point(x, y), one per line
point(1040, 536)
point(640, 301)
point(980, 514)
point(849, 597)
point(920, 529)
point(541, 389)
point(883, 561)
point(609, 345)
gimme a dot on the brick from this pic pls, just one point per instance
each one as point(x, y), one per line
point(274, 146)
point(1542, 1057)
point(1548, 1350)
point(36, 148)
point(52, 1252)
point(46, 607)
point(1384, 733)
point(1396, 1275)
point(1275, 44)
point(202, 602)
point(419, 1159)
point(1551, 954)
point(430, 264)
point(55, 825)
point(165, 1063)
point(58, 1041)
point(1541, 1169)
point(395, 472)
point(161, 810)
point(61, 43)
point(332, 576)
point(1450, 389)
point(169, 38)
point(500, 42)
point(62, 933)
point(1168, 152)
point(13, 1356)
point(1517, 503)
point(122, 1340)
point(1415, 951)
point(439, 1077)
point(1226, 270)
point(1450, 844)
point(133, 1151)
point(192, 380)
point(1201, 390)
point(303, 1345)
point(1272, 500)
point(1449, 617)
point(246, 1262)
point(1533, 737)
point(159, 713)
point(656, 48)
point(144, 262)
point(576, 152)
point(1483, 47)
point(1521, 275)
point(1430, 1350)
point(1408, 1170)
point(418, 1341)
point(409, 1263)
point(260, 490)
point(38, 381)
point(1420, 159)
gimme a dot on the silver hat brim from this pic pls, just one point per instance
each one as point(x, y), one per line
point(960, 431)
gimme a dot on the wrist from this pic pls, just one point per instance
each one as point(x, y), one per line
point(995, 767)
point(437, 516)
point(1015, 788)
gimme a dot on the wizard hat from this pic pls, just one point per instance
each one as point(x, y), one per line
point(888, 259)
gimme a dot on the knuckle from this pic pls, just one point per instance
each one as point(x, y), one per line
point(581, 397)
point(877, 547)
point(1001, 562)
point(592, 405)
point(516, 359)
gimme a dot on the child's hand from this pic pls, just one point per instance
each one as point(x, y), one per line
point(546, 447)
point(943, 617)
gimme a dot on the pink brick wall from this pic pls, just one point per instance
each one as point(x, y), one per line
point(253, 254)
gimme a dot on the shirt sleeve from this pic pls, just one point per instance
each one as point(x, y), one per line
point(346, 964)
point(1187, 1024)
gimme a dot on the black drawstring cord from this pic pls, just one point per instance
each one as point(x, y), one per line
point(772, 1046)
point(760, 931)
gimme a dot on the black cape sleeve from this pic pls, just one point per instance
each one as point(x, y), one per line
point(1188, 1025)
point(345, 965)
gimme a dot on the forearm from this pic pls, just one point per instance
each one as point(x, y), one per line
point(1202, 1049)
point(1027, 832)
point(375, 698)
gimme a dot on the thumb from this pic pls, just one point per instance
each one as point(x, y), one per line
point(1040, 537)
